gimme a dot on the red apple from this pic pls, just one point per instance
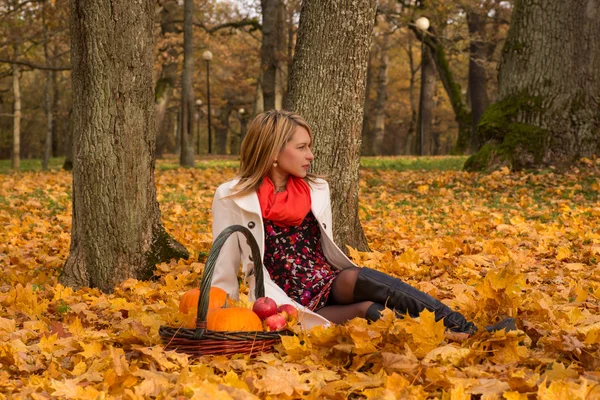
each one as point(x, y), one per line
point(264, 307)
point(289, 312)
point(275, 322)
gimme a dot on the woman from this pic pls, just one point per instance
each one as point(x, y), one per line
point(288, 211)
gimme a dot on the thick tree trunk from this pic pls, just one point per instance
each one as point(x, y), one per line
point(16, 148)
point(380, 100)
point(272, 50)
point(163, 92)
point(327, 87)
point(426, 103)
point(117, 232)
point(48, 94)
point(549, 88)
point(186, 157)
point(478, 53)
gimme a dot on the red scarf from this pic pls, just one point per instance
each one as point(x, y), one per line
point(287, 208)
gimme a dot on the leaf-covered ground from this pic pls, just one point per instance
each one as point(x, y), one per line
point(525, 245)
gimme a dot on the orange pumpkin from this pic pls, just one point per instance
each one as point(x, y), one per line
point(217, 298)
point(233, 319)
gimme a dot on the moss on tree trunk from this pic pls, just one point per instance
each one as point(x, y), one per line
point(509, 142)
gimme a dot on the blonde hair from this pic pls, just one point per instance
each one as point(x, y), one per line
point(265, 138)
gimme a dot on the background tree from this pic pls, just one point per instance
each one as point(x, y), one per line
point(327, 87)
point(549, 88)
point(114, 134)
point(426, 104)
point(272, 50)
point(186, 157)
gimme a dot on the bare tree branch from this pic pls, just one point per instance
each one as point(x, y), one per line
point(236, 24)
point(34, 65)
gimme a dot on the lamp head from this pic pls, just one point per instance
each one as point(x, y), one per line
point(422, 23)
point(207, 55)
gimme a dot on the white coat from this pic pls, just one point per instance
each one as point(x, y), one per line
point(245, 210)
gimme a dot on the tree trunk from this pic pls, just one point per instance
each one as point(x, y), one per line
point(68, 164)
point(411, 138)
point(259, 101)
point(478, 53)
point(117, 232)
point(367, 132)
point(163, 92)
point(16, 149)
point(452, 88)
point(58, 135)
point(272, 49)
point(222, 129)
point(281, 73)
point(549, 88)
point(48, 94)
point(379, 109)
point(426, 103)
point(327, 87)
point(186, 157)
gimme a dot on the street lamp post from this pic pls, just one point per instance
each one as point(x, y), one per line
point(198, 105)
point(207, 56)
point(241, 113)
point(422, 24)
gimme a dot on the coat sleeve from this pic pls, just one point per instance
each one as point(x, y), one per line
point(225, 213)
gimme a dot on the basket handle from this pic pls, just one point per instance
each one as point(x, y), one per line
point(210, 267)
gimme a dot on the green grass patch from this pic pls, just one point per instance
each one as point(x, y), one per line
point(413, 163)
point(33, 164)
point(398, 163)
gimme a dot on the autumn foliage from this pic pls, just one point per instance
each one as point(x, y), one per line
point(492, 245)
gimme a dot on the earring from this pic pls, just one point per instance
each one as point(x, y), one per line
point(275, 163)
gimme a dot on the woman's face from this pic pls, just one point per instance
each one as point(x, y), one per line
point(296, 156)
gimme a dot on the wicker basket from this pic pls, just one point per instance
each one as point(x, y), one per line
point(201, 341)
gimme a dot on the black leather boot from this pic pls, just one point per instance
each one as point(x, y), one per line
point(374, 313)
point(372, 285)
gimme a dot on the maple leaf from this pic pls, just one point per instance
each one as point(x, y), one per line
point(449, 354)
point(426, 333)
point(276, 381)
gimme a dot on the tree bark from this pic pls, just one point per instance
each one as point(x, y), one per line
point(48, 94)
point(327, 87)
point(478, 53)
point(16, 149)
point(186, 157)
point(549, 88)
point(426, 103)
point(272, 50)
point(116, 232)
point(163, 91)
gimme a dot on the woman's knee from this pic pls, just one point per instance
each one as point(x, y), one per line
point(348, 276)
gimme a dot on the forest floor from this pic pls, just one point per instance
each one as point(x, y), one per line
point(524, 244)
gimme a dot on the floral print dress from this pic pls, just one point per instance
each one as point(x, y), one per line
point(296, 263)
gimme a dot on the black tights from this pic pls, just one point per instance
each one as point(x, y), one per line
point(340, 305)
